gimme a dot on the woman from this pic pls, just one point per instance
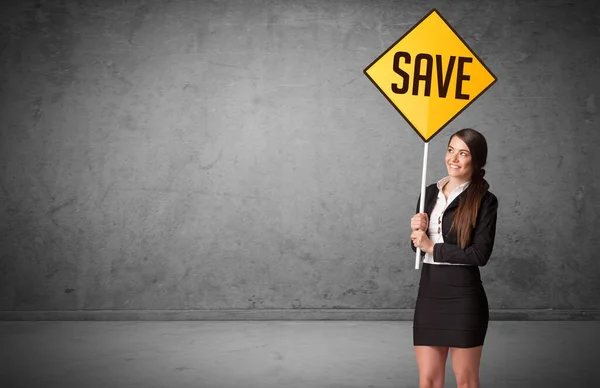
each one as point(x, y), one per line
point(452, 310)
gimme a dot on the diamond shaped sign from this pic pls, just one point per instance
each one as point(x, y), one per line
point(430, 75)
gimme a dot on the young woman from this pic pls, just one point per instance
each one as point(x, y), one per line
point(451, 311)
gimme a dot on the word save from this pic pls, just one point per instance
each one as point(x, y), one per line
point(426, 61)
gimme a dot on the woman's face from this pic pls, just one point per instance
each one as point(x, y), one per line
point(458, 160)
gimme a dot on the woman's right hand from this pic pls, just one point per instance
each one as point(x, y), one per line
point(419, 221)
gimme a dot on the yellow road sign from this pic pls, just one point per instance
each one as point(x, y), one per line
point(430, 75)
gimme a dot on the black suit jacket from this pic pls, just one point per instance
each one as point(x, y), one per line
point(482, 237)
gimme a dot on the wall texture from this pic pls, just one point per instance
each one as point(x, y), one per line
point(232, 154)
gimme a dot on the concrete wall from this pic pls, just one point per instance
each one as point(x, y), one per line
point(233, 155)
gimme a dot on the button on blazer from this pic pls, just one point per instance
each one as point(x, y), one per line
point(482, 236)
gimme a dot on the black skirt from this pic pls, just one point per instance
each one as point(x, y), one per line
point(452, 307)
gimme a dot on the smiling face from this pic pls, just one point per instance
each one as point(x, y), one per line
point(458, 160)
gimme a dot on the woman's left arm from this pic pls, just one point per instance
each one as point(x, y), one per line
point(479, 251)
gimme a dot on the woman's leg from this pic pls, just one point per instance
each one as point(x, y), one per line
point(465, 363)
point(431, 361)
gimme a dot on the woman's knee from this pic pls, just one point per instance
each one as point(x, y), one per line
point(467, 378)
point(431, 381)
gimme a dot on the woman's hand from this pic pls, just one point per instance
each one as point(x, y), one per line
point(422, 241)
point(419, 221)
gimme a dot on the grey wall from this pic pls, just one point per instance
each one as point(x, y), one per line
point(233, 155)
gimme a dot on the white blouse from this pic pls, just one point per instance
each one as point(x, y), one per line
point(435, 222)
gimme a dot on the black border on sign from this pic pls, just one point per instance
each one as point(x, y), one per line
point(468, 47)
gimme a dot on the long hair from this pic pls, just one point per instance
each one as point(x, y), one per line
point(468, 208)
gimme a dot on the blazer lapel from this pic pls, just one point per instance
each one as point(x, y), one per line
point(431, 201)
point(456, 201)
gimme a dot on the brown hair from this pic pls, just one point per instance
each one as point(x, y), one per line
point(466, 214)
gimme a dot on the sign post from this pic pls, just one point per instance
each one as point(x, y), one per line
point(430, 75)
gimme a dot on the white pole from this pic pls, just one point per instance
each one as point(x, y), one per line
point(422, 201)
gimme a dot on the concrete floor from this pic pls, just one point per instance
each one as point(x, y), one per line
point(267, 354)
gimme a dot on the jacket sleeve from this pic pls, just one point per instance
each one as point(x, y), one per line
point(479, 251)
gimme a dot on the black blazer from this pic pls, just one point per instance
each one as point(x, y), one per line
point(482, 237)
